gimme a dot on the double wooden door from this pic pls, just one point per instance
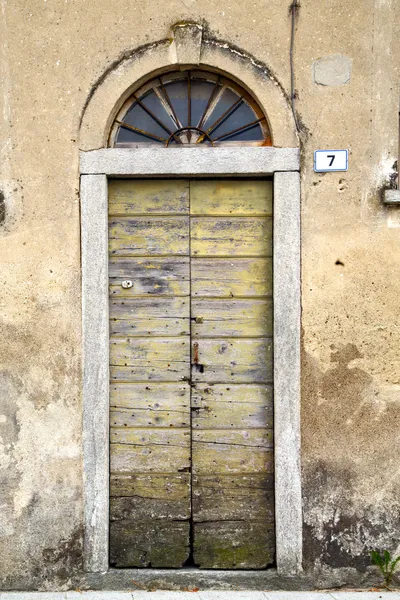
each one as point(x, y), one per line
point(191, 418)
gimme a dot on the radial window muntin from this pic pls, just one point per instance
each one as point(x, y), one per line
point(192, 107)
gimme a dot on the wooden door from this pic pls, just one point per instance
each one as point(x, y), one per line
point(191, 374)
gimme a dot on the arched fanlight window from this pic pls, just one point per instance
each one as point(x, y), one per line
point(190, 108)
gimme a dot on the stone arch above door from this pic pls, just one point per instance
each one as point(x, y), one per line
point(188, 46)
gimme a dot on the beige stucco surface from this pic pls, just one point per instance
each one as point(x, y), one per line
point(52, 54)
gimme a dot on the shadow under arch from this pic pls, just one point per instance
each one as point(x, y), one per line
point(189, 47)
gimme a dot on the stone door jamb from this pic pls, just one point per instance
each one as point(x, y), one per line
point(96, 167)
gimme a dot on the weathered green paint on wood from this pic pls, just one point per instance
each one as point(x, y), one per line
point(168, 276)
point(149, 450)
point(232, 406)
point(219, 317)
point(191, 410)
point(232, 416)
point(155, 543)
point(149, 359)
point(149, 316)
point(234, 497)
point(127, 197)
point(148, 496)
point(153, 488)
point(140, 236)
point(234, 545)
point(222, 236)
point(237, 451)
point(150, 421)
point(234, 197)
point(150, 405)
point(231, 277)
point(235, 360)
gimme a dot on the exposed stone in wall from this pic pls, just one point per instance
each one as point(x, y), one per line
point(332, 70)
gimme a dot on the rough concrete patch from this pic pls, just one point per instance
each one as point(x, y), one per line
point(66, 558)
point(332, 70)
point(10, 385)
point(344, 531)
point(344, 517)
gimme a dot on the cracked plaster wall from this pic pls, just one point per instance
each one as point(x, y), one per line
point(51, 53)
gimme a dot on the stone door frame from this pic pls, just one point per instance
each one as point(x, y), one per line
point(96, 167)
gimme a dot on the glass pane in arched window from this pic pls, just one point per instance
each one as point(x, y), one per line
point(178, 95)
point(201, 93)
point(232, 127)
point(190, 107)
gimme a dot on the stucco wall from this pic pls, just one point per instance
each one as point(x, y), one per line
point(52, 53)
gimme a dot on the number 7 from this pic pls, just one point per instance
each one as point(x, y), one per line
point(332, 156)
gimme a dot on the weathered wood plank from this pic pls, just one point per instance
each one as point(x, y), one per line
point(136, 507)
point(149, 450)
point(151, 497)
point(222, 406)
point(149, 316)
point(233, 498)
point(169, 487)
point(233, 545)
point(149, 405)
point(145, 359)
point(149, 307)
point(228, 278)
point(160, 417)
point(237, 236)
point(166, 276)
point(133, 236)
point(149, 395)
point(230, 452)
point(142, 373)
point(130, 196)
point(230, 197)
point(234, 360)
point(156, 543)
point(142, 351)
point(221, 317)
point(165, 438)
